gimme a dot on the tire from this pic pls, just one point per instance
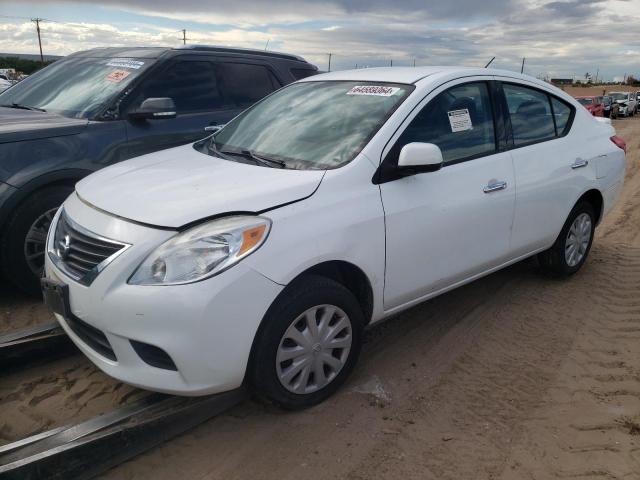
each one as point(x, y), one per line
point(274, 338)
point(557, 260)
point(33, 214)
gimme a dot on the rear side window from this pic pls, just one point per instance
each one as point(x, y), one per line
point(562, 115)
point(192, 86)
point(530, 112)
point(244, 84)
point(459, 121)
point(300, 73)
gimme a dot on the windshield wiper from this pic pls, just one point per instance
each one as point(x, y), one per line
point(24, 107)
point(269, 162)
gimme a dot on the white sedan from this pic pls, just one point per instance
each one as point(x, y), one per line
point(260, 254)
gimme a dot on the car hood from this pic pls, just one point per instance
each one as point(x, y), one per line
point(17, 125)
point(175, 187)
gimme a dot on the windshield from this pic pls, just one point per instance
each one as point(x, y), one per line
point(585, 101)
point(311, 125)
point(76, 87)
point(618, 96)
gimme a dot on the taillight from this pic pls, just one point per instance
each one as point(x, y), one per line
point(620, 143)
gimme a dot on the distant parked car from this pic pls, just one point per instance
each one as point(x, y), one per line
point(4, 84)
point(611, 108)
point(627, 101)
point(98, 107)
point(594, 104)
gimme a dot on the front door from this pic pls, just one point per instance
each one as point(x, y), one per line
point(446, 226)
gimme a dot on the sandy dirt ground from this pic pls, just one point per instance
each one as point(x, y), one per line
point(515, 376)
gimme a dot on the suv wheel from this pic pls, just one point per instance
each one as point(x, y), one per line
point(571, 248)
point(24, 239)
point(309, 343)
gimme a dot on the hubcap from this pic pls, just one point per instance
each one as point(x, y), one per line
point(35, 241)
point(314, 349)
point(578, 238)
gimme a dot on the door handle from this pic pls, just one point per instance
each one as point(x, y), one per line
point(579, 163)
point(494, 187)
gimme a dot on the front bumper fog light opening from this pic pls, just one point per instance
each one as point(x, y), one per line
point(154, 356)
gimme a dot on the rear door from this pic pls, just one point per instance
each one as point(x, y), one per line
point(551, 167)
point(447, 226)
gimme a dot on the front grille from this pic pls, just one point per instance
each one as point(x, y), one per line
point(80, 253)
point(93, 337)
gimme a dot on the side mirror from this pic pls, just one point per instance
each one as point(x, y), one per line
point(211, 129)
point(420, 158)
point(155, 108)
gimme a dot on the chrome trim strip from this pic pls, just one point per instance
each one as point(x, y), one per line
point(90, 276)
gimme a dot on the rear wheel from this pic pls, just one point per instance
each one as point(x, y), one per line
point(309, 343)
point(571, 248)
point(23, 242)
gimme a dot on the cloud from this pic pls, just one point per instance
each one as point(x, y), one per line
point(557, 37)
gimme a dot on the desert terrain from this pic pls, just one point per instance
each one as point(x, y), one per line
point(515, 376)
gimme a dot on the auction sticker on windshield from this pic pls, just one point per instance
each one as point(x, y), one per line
point(460, 120)
point(125, 63)
point(117, 76)
point(375, 90)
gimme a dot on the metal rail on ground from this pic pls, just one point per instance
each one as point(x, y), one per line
point(33, 344)
point(90, 448)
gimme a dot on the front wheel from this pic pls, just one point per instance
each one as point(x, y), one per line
point(308, 344)
point(23, 243)
point(571, 248)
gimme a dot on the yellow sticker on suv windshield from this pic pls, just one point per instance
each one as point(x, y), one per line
point(117, 76)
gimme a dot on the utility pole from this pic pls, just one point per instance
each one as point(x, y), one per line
point(184, 37)
point(414, 62)
point(597, 72)
point(37, 22)
point(522, 69)
point(391, 62)
point(329, 69)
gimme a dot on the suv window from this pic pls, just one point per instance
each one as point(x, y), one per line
point(191, 84)
point(244, 84)
point(530, 113)
point(459, 121)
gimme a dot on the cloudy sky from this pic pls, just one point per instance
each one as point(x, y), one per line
point(558, 37)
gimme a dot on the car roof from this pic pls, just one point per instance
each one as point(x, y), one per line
point(587, 96)
point(412, 75)
point(156, 52)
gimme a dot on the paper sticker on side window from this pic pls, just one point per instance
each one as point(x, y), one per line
point(117, 76)
point(125, 63)
point(375, 90)
point(460, 120)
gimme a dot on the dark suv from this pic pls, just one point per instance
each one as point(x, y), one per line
point(102, 106)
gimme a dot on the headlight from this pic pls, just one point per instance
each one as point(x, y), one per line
point(203, 251)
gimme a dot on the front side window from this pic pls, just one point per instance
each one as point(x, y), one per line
point(310, 125)
point(76, 87)
point(192, 85)
point(530, 112)
point(459, 121)
point(244, 84)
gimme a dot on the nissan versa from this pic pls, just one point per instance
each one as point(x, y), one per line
point(259, 254)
